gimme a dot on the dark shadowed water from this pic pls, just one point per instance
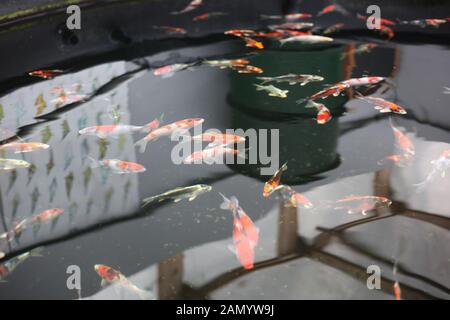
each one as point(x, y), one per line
point(180, 250)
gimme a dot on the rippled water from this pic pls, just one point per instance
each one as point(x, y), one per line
point(180, 250)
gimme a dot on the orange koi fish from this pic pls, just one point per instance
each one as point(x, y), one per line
point(112, 276)
point(171, 30)
point(396, 287)
point(209, 15)
point(362, 204)
point(323, 113)
point(194, 4)
point(331, 8)
point(274, 182)
point(403, 142)
point(384, 106)
point(46, 74)
point(293, 198)
point(118, 166)
point(211, 155)
point(22, 147)
point(218, 139)
point(240, 33)
point(288, 17)
point(252, 43)
point(47, 215)
point(382, 21)
point(180, 126)
point(247, 69)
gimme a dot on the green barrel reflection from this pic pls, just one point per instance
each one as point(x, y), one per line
point(308, 147)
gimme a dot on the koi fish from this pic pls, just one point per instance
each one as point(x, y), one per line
point(292, 79)
point(396, 287)
point(11, 164)
point(425, 22)
point(15, 232)
point(331, 8)
point(252, 43)
point(22, 147)
point(293, 198)
point(334, 28)
point(118, 166)
point(240, 33)
point(273, 183)
point(440, 166)
point(387, 31)
point(362, 204)
point(169, 70)
point(46, 215)
point(231, 204)
point(114, 130)
point(403, 142)
point(9, 266)
point(112, 276)
point(362, 48)
point(194, 4)
point(288, 17)
point(383, 105)
point(356, 82)
point(398, 159)
point(323, 113)
point(180, 126)
point(382, 21)
point(247, 69)
point(272, 90)
point(211, 155)
point(45, 74)
point(223, 64)
point(307, 39)
point(272, 34)
point(171, 30)
point(218, 139)
point(292, 26)
point(179, 194)
point(209, 15)
point(334, 90)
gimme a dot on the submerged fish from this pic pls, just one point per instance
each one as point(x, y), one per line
point(22, 147)
point(247, 69)
point(118, 166)
point(292, 26)
point(209, 15)
point(45, 74)
point(293, 198)
point(46, 216)
point(292, 79)
point(15, 232)
point(222, 64)
point(288, 17)
point(171, 30)
point(440, 166)
point(334, 28)
point(211, 155)
point(356, 82)
point(323, 113)
point(179, 194)
point(273, 183)
point(331, 8)
point(334, 90)
point(381, 21)
point(11, 164)
point(272, 90)
point(9, 266)
point(386, 31)
point(112, 276)
point(361, 204)
point(180, 126)
point(362, 48)
point(252, 43)
point(194, 4)
point(425, 22)
point(308, 39)
point(403, 142)
point(383, 105)
point(240, 33)
point(218, 139)
point(113, 130)
point(169, 70)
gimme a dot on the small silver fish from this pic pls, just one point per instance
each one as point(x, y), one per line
point(9, 266)
point(11, 164)
point(272, 91)
point(179, 194)
point(292, 79)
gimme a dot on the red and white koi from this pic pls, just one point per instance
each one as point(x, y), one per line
point(112, 276)
point(382, 21)
point(223, 64)
point(356, 82)
point(334, 90)
point(46, 215)
point(323, 113)
point(46, 73)
point(118, 166)
point(384, 106)
point(180, 126)
point(426, 22)
point(194, 4)
point(240, 33)
point(113, 130)
point(211, 155)
point(361, 204)
point(331, 8)
point(169, 70)
point(23, 147)
point(287, 17)
point(292, 79)
point(218, 139)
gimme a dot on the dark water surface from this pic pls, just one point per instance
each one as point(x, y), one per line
point(179, 250)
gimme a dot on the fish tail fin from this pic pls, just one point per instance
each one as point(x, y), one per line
point(144, 294)
point(284, 167)
point(258, 87)
point(37, 252)
point(142, 144)
point(149, 200)
point(310, 104)
point(94, 163)
point(264, 80)
point(226, 202)
point(300, 101)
